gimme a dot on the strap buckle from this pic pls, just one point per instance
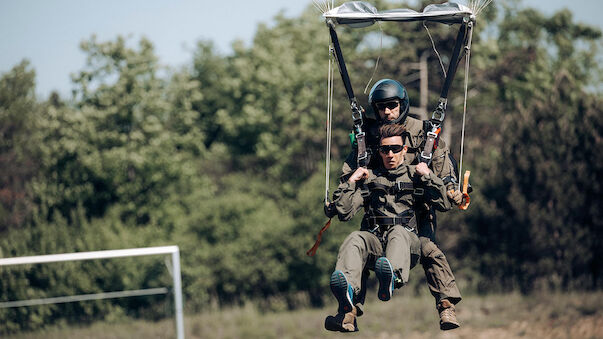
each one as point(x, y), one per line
point(374, 230)
point(399, 186)
point(432, 134)
point(439, 113)
point(362, 153)
point(427, 152)
point(356, 113)
point(426, 158)
point(402, 186)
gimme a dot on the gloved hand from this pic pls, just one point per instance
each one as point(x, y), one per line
point(456, 196)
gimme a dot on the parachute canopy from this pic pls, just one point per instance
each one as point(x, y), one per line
point(361, 14)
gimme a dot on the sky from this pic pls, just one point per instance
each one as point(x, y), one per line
point(48, 32)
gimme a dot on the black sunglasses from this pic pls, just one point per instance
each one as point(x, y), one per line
point(394, 148)
point(389, 104)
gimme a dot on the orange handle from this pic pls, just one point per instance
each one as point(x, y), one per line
point(466, 199)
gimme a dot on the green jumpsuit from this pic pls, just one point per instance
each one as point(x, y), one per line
point(438, 273)
point(385, 229)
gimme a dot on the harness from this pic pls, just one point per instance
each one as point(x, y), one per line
point(363, 15)
point(379, 224)
point(398, 187)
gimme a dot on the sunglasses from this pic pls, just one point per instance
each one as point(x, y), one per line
point(394, 148)
point(389, 104)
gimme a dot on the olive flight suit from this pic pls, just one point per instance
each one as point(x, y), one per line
point(385, 229)
point(439, 276)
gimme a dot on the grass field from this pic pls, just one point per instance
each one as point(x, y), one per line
point(576, 315)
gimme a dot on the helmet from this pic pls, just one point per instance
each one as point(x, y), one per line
point(387, 89)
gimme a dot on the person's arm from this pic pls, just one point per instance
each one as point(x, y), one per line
point(349, 198)
point(435, 190)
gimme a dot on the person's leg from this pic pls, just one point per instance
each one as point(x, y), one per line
point(403, 248)
point(441, 282)
point(438, 273)
point(347, 279)
point(357, 249)
point(401, 254)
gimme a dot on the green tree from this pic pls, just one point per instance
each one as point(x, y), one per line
point(536, 223)
point(117, 169)
point(269, 103)
point(18, 108)
point(224, 158)
point(129, 140)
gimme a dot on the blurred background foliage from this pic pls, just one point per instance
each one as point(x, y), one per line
point(225, 158)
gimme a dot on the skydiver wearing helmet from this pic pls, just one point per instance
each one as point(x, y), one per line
point(390, 102)
point(385, 241)
point(389, 97)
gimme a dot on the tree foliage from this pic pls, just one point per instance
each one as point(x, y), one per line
point(18, 108)
point(547, 168)
point(224, 157)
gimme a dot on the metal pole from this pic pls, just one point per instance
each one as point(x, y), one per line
point(131, 252)
point(178, 294)
point(174, 250)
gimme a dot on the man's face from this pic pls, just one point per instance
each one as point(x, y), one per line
point(389, 110)
point(392, 151)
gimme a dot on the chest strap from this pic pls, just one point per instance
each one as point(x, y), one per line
point(395, 188)
point(374, 222)
point(399, 187)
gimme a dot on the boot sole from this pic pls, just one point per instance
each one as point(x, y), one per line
point(385, 275)
point(448, 326)
point(339, 287)
point(333, 323)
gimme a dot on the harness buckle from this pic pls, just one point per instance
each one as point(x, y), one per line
point(449, 179)
point(426, 157)
point(439, 113)
point(356, 114)
point(419, 191)
point(374, 230)
point(362, 154)
point(398, 186)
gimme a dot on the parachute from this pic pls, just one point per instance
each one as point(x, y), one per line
point(358, 14)
point(362, 14)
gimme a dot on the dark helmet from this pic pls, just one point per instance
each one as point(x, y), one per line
point(387, 89)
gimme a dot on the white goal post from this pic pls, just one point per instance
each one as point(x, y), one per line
point(132, 252)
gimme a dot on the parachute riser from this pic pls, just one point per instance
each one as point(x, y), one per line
point(436, 122)
point(456, 52)
point(357, 110)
